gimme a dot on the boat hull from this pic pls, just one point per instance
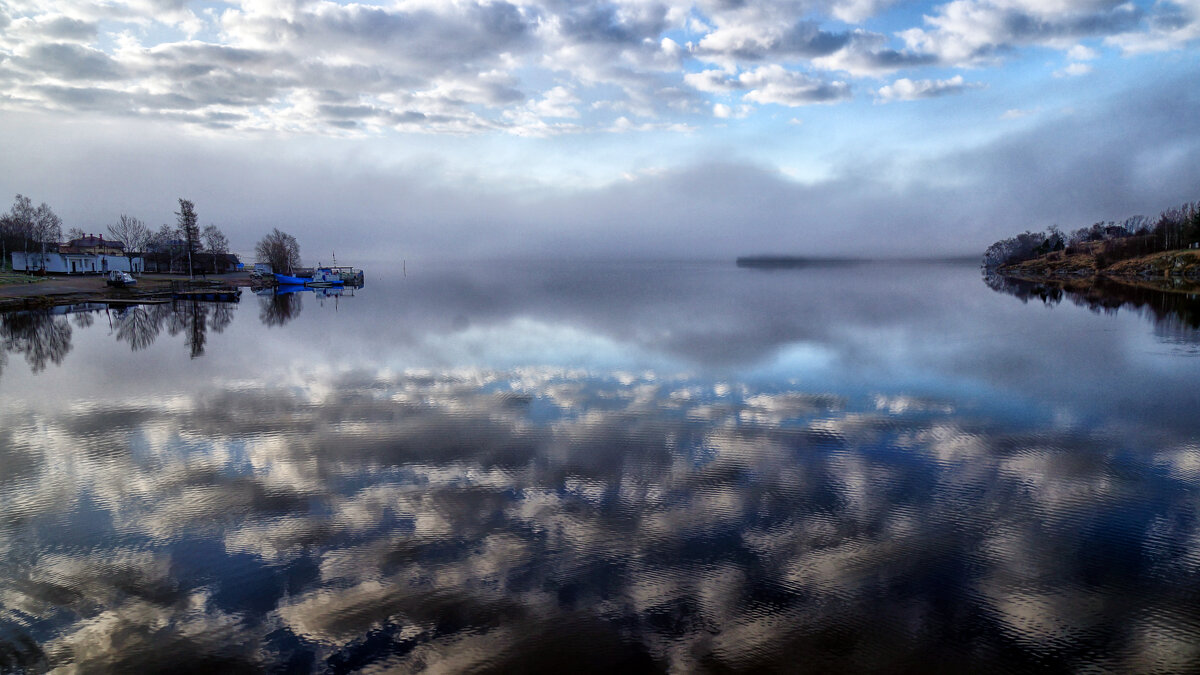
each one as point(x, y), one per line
point(284, 279)
point(323, 280)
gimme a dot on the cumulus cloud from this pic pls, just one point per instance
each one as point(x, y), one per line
point(855, 11)
point(979, 31)
point(1073, 70)
point(774, 84)
point(479, 67)
point(1172, 25)
point(722, 111)
point(905, 89)
point(740, 43)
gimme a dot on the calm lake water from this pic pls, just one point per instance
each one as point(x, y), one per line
point(530, 467)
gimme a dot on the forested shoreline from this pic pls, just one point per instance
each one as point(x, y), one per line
point(1104, 243)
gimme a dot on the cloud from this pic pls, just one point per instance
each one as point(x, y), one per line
point(1074, 70)
point(774, 84)
point(69, 62)
point(57, 27)
point(856, 11)
point(474, 67)
point(1045, 169)
point(965, 32)
point(722, 111)
point(869, 54)
point(905, 89)
point(1017, 113)
point(1082, 53)
point(741, 43)
point(1172, 25)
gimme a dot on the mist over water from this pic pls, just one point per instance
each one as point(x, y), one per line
point(680, 467)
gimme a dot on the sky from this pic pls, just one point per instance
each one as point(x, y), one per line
point(462, 129)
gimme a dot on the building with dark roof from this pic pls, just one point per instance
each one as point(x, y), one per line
point(94, 245)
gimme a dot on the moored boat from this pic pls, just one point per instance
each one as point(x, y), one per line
point(325, 276)
point(321, 276)
point(287, 280)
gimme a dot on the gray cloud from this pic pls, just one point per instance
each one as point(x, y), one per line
point(1054, 168)
point(600, 21)
point(805, 39)
point(72, 62)
point(437, 40)
point(977, 30)
point(67, 28)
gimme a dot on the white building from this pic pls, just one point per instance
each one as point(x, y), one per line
point(74, 263)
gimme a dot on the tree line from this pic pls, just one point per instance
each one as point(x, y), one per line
point(180, 247)
point(1109, 241)
point(183, 245)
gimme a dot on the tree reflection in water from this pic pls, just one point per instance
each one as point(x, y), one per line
point(40, 335)
point(278, 309)
point(44, 336)
point(1175, 314)
point(140, 325)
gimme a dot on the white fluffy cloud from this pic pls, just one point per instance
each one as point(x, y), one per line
point(905, 89)
point(774, 84)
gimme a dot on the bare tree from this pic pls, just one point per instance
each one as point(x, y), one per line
point(165, 242)
point(75, 233)
point(47, 227)
point(21, 217)
point(8, 230)
point(280, 249)
point(133, 233)
point(189, 229)
point(216, 243)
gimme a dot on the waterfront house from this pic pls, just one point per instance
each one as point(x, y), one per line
point(93, 244)
point(68, 262)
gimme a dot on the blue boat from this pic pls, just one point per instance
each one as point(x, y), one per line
point(322, 276)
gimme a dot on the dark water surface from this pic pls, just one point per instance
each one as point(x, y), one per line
point(606, 467)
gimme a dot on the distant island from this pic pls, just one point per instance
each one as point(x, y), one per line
point(1164, 251)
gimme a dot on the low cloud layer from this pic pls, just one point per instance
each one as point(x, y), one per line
point(693, 129)
point(1052, 167)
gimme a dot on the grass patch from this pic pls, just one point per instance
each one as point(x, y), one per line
point(8, 278)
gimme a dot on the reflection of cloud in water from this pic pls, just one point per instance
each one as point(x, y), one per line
point(539, 519)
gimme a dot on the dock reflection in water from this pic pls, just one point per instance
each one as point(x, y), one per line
point(349, 516)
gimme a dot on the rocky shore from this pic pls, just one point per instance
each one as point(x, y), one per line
point(1177, 270)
